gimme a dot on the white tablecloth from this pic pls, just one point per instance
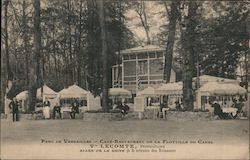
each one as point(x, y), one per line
point(229, 110)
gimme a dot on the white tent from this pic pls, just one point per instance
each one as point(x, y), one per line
point(119, 92)
point(150, 91)
point(219, 88)
point(215, 88)
point(207, 78)
point(170, 89)
point(47, 92)
point(73, 91)
point(22, 95)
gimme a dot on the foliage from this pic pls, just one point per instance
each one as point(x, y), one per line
point(71, 43)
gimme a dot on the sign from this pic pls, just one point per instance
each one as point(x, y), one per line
point(139, 104)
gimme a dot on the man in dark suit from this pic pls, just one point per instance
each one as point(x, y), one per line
point(57, 109)
point(74, 110)
point(14, 106)
point(218, 111)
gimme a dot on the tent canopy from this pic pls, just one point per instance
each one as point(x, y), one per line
point(207, 78)
point(119, 92)
point(22, 95)
point(47, 92)
point(150, 91)
point(170, 88)
point(73, 91)
point(216, 88)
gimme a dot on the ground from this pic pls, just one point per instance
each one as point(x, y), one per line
point(226, 139)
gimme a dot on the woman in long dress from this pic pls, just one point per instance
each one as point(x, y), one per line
point(46, 109)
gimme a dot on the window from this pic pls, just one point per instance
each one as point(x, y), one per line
point(132, 56)
point(142, 67)
point(152, 55)
point(142, 56)
point(125, 57)
point(156, 66)
point(129, 68)
point(115, 73)
point(129, 78)
point(159, 54)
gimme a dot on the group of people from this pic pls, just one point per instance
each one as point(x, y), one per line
point(14, 106)
point(74, 110)
point(178, 106)
point(237, 104)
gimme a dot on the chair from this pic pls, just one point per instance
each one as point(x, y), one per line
point(240, 112)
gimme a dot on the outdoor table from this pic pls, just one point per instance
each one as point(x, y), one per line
point(38, 109)
point(232, 111)
point(65, 109)
point(164, 111)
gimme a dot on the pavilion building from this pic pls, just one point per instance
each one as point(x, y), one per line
point(140, 67)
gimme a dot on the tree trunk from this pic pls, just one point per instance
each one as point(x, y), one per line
point(80, 49)
point(25, 43)
point(189, 37)
point(70, 67)
point(3, 63)
point(146, 27)
point(141, 11)
point(104, 55)
point(171, 39)
point(35, 58)
point(6, 74)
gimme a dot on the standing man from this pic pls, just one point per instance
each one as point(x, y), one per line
point(14, 106)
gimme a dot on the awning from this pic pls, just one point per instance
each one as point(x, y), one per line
point(215, 88)
point(73, 91)
point(150, 91)
point(120, 93)
point(170, 89)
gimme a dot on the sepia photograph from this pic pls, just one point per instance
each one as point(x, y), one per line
point(125, 79)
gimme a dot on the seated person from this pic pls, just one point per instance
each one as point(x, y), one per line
point(74, 110)
point(178, 106)
point(162, 105)
point(57, 109)
point(124, 108)
point(119, 105)
point(238, 105)
point(218, 111)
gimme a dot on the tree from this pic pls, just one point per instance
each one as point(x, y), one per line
point(188, 46)
point(104, 56)
point(140, 9)
point(173, 16)
point(224, 39)
point(6, 73)
point(35, 72)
